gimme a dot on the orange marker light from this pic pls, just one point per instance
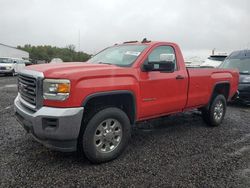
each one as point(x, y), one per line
point(63, 88)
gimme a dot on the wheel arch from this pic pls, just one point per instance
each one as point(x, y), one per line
point(222, 88)
point(123, 99)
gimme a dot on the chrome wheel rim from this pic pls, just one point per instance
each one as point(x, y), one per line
point(108, 135)
point(218, 111)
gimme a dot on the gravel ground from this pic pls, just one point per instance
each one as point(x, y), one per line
point(178, 151)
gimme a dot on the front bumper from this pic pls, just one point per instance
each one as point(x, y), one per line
point(6, 71)
point(244, 93)
point(56, 128)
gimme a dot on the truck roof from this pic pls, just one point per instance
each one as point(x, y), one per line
point(148, 43)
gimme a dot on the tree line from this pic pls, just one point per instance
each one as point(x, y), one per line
point(47, 53)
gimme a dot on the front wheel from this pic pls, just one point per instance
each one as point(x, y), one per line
point(214, 115)
point(106, 135)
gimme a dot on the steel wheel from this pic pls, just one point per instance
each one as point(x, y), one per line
point(214, 115)
point(218, 110)
point(108, 135)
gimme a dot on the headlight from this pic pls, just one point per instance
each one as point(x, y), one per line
point(8, 68)
point(56, 89)
point(246, 80)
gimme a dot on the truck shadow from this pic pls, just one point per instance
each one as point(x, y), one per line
point(148, 132)
point(238, 105)
point(143, 132)
point(144, 135)
point(172, 121)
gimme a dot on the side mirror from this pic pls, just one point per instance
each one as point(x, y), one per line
point(148, 67)
point(166, 64)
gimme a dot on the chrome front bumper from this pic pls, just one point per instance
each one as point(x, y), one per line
point(56, 128)
point(6, 71)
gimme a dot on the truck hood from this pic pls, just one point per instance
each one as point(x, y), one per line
point(77, 70)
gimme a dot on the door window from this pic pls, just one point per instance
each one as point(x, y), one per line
point(154, 56)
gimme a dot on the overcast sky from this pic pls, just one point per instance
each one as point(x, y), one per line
point(196, 25)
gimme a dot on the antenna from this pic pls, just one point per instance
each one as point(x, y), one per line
point(145, 40)
point(79, 38)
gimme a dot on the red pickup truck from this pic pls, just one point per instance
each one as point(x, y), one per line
point(92, 106)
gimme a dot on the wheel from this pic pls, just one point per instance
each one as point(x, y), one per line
point(214, 115)
point(106, 135)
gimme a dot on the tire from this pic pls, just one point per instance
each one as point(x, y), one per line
point(214, 115)
point(106, 135)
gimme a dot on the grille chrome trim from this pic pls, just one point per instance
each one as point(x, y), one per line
point(30, 106)
point(25, 84)
point(30, 89)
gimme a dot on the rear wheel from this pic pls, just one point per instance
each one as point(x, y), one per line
point(214, 115)
point(106, 135)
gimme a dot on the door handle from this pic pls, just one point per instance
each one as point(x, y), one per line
point(179, 77)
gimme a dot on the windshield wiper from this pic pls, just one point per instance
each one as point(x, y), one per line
point(100, 62)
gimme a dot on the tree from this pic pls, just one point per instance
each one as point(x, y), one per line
point(48, 52)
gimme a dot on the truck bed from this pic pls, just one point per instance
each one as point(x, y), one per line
point(202, 82)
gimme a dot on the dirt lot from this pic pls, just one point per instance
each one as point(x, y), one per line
point(178, 151)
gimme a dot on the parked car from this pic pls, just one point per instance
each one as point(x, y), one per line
point(41, 62)
point(92, 106)
point(241, 60)
point(28, 62)
point(194, 62)
point(56, 60)
point(213, 61)
point(11, 65)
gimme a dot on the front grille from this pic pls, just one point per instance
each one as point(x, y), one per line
point(27, 88)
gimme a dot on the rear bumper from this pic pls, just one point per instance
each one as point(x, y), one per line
point(56, 128)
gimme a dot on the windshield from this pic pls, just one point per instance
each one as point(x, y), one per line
point(5, 60)
point(124, 55)
point(243, 65)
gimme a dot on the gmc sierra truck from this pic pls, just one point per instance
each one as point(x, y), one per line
point(91, 106)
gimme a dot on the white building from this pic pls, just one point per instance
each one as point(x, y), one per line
point(9, 51)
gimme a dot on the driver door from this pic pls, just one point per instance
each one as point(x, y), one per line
point(162, 92)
